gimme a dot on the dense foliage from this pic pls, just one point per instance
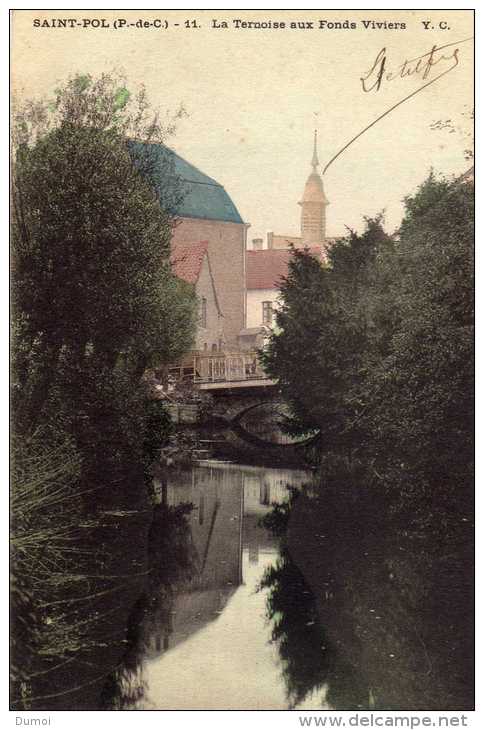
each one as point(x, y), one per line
point(94, 304)
point(92, 285)
point(383, 340)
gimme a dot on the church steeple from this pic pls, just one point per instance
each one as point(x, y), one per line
point(315, 161)
point(313, 204)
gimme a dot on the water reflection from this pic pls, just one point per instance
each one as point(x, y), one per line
point(371, 610)
point(314, 671)
point(329, 604)
point(267, 421)
point(212, 649)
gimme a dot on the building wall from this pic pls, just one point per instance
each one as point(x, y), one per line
point(215, 522)
point(213, 332)
point(276, 241)
point(313, 223)
point(227, 242)
point(255, 297)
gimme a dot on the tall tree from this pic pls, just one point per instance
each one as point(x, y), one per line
point(325, 322)
point(91, 279)
point(308, 313)
point(94, 303)
point(423, 405)
point(375, 351)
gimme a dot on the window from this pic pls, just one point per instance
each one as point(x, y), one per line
point(267, 312)
point(203, 312)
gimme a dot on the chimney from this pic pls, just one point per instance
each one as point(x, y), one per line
point(257, 244)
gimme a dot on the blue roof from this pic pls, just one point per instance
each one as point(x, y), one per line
point(200, 196)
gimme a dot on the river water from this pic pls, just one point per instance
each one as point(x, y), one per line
point(268, 591)
point(215, 650)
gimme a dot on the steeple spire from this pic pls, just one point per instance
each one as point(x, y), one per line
point(313, 205)
point(315, 161)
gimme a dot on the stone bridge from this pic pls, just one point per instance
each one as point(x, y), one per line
point(245, 405)
point(239, 417)
point(233, 404)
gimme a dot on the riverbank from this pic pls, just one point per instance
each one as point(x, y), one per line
point(388, 602)
point(347, 591)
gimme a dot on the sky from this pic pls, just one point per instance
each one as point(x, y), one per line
point(254, 97)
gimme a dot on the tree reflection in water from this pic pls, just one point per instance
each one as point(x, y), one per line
point(171, 564)
point(297, 630)
point(309, 659)
point(372, 613)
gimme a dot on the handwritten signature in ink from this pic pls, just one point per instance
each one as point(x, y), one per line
point(421, 66)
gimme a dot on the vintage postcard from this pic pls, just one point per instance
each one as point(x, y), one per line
point(242, 362)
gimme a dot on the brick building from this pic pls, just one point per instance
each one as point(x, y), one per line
point(266, 267)
point(192, 264)
point(205, 213)
point(265, 270)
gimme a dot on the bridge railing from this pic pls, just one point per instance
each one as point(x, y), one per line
point(226, 367)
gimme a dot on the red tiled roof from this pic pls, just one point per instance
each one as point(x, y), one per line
point(187, 259)
point(266, 268)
